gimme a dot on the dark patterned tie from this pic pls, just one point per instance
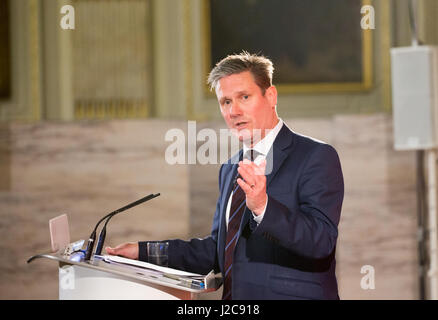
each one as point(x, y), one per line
point(236, 213)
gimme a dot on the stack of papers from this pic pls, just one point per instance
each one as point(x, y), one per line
point(179, 277)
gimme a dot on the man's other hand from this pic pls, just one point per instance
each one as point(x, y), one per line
point(128, 250)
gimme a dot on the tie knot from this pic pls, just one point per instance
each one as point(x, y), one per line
point(251, 154)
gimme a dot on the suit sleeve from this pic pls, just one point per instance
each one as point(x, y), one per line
point(194, 255)
point(311, 230)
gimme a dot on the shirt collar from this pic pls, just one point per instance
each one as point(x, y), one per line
point(264, 145)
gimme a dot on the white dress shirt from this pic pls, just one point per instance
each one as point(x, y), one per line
point(262, 147)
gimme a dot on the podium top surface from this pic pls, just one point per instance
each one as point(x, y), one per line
point(134, 273)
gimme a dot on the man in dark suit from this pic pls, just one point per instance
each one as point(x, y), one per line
point(274, 231)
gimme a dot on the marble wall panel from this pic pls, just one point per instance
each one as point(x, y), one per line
point(378, 225)
point(87, 169)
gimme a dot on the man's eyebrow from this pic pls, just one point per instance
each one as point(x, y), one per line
point(223, 99)
point(238, 93)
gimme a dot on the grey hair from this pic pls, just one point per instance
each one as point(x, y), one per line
point(260, 67)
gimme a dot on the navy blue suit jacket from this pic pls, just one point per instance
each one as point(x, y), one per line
point(291, 253)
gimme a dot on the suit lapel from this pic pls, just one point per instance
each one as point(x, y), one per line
point(278, 153)
point(274, 161)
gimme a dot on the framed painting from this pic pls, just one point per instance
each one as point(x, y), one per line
point(315, 45)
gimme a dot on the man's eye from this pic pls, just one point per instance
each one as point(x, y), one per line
point(245, 97)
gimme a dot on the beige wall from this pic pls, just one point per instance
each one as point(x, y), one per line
point(86, 169)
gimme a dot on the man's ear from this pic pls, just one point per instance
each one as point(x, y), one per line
point(271, 95)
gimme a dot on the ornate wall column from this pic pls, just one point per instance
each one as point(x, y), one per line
point(58, 96)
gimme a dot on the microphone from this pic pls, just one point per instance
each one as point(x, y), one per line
point(102, 234)
point(92, 238)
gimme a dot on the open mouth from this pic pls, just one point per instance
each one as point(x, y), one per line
point(240, 124)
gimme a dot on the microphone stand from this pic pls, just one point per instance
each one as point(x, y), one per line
point(92, 238)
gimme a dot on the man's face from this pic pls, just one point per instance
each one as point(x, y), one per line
point(244, 107)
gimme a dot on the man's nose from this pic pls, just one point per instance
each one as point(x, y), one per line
point(235, 109)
